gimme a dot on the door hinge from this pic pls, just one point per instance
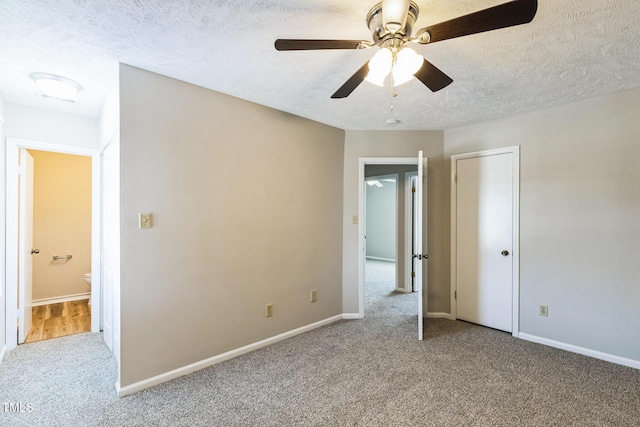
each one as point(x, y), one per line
point(413, 274)
point(455, 294)
point(413, 189)
point(455, 178)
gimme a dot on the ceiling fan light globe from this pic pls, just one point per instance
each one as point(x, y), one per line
point(408, 63)
point(380, 67)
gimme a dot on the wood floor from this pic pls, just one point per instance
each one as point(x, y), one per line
point(59, 320)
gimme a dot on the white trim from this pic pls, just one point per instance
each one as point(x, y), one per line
point(352, 316)
point(375, 258)
point(57, 300)
point(47, 146)
point(11, 253)
point(11, 246)
point(185, 370)
point(2, 353)
point(362, 162)
point(96, 241)
point(582, 350)
point(515, 150)
point(439, 316)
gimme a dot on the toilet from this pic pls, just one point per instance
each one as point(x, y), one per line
point(87, 278)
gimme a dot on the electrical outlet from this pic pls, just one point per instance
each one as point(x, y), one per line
point(314, 296)
point(268, 312)
point(543, 310)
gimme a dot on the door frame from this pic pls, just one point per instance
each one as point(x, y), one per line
point(515, 279)
point(25, 243)
point(364, 161)
point(11, 252)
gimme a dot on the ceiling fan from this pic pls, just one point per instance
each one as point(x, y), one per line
point(391, 23)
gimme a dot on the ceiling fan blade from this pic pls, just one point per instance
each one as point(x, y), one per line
point(432, 77)
point(298, 44)
point(504, 15)
point(353, 82)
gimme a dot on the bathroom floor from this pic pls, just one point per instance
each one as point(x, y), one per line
point(59, 320)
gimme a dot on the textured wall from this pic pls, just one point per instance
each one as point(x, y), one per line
point(246, 204)
point(579, 210)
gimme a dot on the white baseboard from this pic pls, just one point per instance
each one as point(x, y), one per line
point(185, 370)
point(57, 300)
point(352, 316)
point(376, 258)
point(581, 350)
point(439, 316)
point(2, 353)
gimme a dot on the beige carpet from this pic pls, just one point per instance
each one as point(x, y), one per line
point(369, 372)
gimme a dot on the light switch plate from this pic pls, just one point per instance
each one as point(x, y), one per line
point(144, 220)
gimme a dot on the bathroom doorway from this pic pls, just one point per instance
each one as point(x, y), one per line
point(52, 240)
point(61, 245)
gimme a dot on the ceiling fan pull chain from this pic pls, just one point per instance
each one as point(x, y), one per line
point(394, 93)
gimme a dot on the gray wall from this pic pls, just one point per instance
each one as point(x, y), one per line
point(381, 229)
point(579, 220)
point(247, 210)
point(398, 144)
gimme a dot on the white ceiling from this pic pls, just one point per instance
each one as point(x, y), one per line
point(573, 49)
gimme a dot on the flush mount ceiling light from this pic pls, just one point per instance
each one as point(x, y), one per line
point(391, 23)
point(53, 86)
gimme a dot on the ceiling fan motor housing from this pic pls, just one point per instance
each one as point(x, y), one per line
point(381, 34)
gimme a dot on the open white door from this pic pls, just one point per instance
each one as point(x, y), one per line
point(420, 250)
point(25, 245)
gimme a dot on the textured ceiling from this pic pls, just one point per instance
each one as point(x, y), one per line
point(573, 49)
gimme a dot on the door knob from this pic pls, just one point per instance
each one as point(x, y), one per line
point(505, 253)
point(35, 251)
